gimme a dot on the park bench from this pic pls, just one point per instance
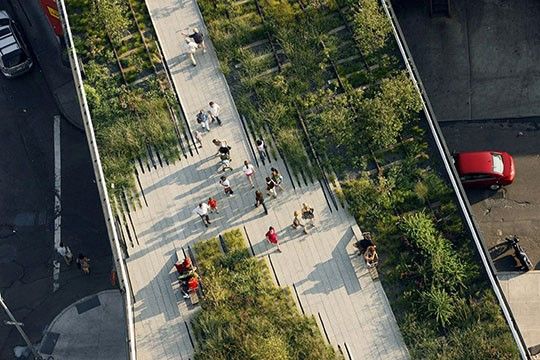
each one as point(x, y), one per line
point(193, 295)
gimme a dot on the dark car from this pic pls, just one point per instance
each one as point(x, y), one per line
point(15, 58)
point(491, 169)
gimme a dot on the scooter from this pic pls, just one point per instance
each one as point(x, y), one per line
point(519, 253)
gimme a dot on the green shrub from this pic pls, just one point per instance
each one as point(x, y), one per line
point(386, 114)
point(234, 240)
point(244, 316)
point(111, 15)
point(439, 305)
point(289, 141)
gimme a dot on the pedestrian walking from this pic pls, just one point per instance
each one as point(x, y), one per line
point(197, 37)
point(214, 112)
point(249, 171)
point(270, 187)
point(202, 118)
point(272, 237)
point(308, 214)
point(212, 202)
point(261, 148)
point(83, 263)
point(219, 143)
point(222, 147)
point(226, 184)
point(277, 178)
point(191, 48)
point(224, 163)
point(259, 200)
point(198, 138)
point(65, 252)
point(202, 211)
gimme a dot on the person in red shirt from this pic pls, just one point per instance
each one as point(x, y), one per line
point(185, 268)
point(190, 285)
point(212, 202)
point(193, 283)
point(272, 237)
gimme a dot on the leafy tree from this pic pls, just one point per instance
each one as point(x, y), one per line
point(372, 28)
point(384, 116)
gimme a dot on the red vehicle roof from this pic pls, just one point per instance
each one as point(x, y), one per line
point(474, 162)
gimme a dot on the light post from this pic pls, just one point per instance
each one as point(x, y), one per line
point(19, 328)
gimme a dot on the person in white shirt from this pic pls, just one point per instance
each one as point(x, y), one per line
point(191, 48)
point(214, 112)
point(261, 147)
point(226, 184)
point(65, 252)
point(202, 211)
point(249, 171)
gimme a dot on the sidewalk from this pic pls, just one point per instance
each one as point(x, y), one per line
point(522, 290)
point(88, 330)
point(353, 315)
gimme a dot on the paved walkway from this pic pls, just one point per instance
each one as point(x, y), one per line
point(355, 314)
point(523, 294)
point(88, 330)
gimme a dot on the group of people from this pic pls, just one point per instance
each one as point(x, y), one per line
point(205, 208)
point(307, 213)
point(83, 262)
point(188, 277)
point(194, 41)
point(205, 118)
point(367, 248)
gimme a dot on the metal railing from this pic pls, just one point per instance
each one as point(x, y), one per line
point(118, 254)
point(454, 178)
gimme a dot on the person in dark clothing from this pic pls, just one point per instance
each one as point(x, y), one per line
point(259, 200)
point(363, 244)
point(198, 37)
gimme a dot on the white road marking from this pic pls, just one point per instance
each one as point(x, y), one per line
point(57, 197)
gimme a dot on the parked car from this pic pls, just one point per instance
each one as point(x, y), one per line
point(491, 169)
point(15, 58)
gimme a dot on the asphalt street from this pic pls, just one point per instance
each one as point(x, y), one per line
point(481, 71)
point(27, 196)
point(514, 209)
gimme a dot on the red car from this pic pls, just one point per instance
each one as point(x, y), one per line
point(491, 169)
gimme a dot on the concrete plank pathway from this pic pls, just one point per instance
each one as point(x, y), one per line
point(353, 314)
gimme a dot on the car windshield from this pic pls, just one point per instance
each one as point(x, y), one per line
point(498, 165)
point(14, 58)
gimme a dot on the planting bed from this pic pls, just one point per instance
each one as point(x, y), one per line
point(326, 76)
point(134, 111)
point(244, 315)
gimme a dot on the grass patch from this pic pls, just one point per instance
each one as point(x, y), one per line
point(244, 315)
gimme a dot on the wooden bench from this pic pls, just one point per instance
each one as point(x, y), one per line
point(357, 232)
point(194, 297)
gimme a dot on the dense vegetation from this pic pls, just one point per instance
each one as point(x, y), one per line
point(329, 71)
point(130, 100)
point(244, 315)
